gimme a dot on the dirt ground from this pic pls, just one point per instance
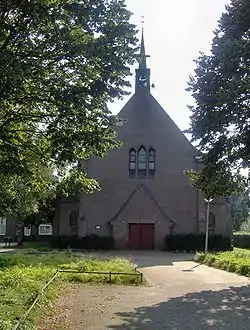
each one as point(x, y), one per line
point(180, 295)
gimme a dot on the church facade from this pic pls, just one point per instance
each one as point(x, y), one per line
point(145, 194)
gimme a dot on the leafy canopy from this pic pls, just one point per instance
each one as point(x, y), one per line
point(61, 62)
point(216, 180)
point(220, 119)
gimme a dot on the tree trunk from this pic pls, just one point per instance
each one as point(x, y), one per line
point(19, 232)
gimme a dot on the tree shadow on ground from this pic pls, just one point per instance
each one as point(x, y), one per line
point(223, 309)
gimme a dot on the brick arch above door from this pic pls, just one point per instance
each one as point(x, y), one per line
point(139, 215)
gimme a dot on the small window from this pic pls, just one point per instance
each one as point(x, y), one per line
point(73, 219)
point(27, 231)
point(45, 229)
point(211, 224)
point(2, 226)
point(151, 160)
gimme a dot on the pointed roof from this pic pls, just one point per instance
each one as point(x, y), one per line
point(142, 56)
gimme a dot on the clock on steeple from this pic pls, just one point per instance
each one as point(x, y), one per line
point(142, 73)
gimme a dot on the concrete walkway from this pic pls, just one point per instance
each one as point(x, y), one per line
point(181, 295)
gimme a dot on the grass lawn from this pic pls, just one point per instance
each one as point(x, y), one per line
point(34, 245)
point(23, 274)
point(236, 261)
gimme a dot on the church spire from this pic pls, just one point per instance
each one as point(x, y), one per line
point(142, 73)
point(142, 56)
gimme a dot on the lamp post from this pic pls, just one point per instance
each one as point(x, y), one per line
point(198, 160)
point(208, 201)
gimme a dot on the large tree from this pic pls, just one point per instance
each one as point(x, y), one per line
point(61, 62)
point(220, 120)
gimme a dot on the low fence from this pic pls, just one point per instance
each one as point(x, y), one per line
point(109, 274)
point(103, 273)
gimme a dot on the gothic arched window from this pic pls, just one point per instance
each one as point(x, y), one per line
point(211, 223)
point(151, 160)
point(142, 161)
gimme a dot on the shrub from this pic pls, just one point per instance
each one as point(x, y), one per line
point(7, 261)
point(232, 266)
point(241, 240)
point(237, 261)
point(211, 260)
point(244, 269)
point(91, 242)
point(193, 242)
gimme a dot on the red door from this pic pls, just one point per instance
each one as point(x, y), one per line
point(134, 236)
point(141, 236)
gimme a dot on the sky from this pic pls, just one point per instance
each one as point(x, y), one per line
point(175, 31)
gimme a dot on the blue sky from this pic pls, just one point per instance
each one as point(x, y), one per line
point(175, 32)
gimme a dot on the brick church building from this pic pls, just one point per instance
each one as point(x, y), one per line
point(145, 194)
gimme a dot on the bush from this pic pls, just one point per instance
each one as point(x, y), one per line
point(193, 242)
point(6, 261)
point(91, 242)
point(236, 261)
point(241, 240)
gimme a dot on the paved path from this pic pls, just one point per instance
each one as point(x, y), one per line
point(181, 295)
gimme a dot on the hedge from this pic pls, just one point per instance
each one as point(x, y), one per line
point(234, 261)
point(193, 242)
point(241, 240)
point(91, 242)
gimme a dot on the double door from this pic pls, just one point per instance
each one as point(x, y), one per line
point(141, 236)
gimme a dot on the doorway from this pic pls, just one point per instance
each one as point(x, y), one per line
point(141, 236)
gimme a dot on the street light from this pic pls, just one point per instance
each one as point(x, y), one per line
point(208, 201)
point(198, 160)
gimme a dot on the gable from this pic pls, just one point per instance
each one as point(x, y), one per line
point(145, 117)
point(139, 204)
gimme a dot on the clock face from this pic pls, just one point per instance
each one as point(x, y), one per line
point(142, 81)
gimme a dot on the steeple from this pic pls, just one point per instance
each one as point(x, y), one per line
point(142, 55)
point(142, 73)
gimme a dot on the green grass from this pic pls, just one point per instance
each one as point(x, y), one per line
point(34, 245)
point(236, 261)
point(22, 275)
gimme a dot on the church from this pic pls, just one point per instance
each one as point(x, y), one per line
point(145, 194)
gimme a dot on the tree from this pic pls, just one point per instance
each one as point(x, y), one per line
point(240, 208)
point(61, 62)
point(215, 180)
point(220, 119)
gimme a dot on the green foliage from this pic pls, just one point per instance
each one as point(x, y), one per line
point(193, 242)
point(24, 274)
point(76, 181)
point(240, 208)
point(216, 180)
point(90, 242)
point(237, 261)
point(241, 240)
point(26, 195)
point(220, 119)
point(61, 62)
